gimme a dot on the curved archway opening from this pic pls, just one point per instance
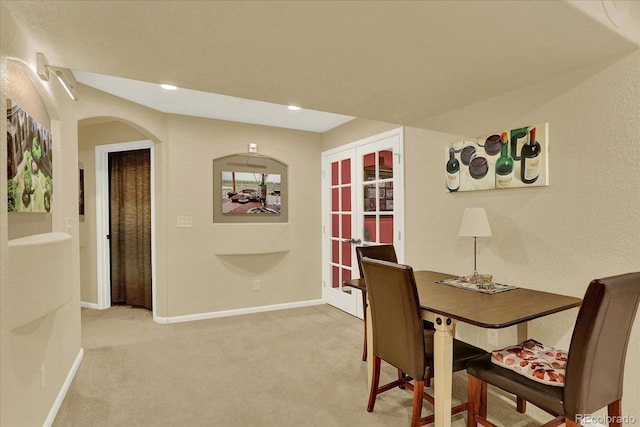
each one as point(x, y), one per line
point(98, 139)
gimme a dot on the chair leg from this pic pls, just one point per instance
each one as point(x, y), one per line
point(615, 413)
point(364, 315)
point(375, 380)
point(418, 395)
point(476, 400)
point(364, 347)
point(401, 375)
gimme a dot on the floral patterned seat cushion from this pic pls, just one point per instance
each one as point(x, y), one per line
point(534, 360)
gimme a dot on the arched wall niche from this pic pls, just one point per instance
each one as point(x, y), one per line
point(26, 91)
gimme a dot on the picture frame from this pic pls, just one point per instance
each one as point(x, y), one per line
point(504, 159)
point(249, 188)
point(29, 162)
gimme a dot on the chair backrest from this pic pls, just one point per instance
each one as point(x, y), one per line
point(398, 334)
point(595, 365)
point(383, 252)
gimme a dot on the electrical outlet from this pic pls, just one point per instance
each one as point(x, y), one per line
point(256, 285)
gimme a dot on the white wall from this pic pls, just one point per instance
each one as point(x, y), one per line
point(202, 278)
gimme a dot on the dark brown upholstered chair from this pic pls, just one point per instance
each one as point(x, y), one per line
point(595, 363)
point(383, 252)
point(399, 337)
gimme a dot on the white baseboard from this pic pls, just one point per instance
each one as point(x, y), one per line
point(237, 312)
point(63, 390)
point(89, 305)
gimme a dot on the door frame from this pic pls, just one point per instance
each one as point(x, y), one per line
point(399, 209)
point(102, 219)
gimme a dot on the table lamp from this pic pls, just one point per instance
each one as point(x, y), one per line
point(474, 224)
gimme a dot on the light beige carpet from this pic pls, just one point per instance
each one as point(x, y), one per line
point(297, 367)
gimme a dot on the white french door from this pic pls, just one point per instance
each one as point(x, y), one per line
point(362, 204)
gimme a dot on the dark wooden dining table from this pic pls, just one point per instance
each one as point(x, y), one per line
point(446, 305)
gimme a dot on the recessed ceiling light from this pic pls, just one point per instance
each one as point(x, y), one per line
point(168, 87)
point(293, 107)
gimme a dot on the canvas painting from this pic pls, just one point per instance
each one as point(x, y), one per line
point(509, 158)
point(29, 162)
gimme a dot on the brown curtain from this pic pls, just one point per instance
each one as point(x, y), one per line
point(130, 227)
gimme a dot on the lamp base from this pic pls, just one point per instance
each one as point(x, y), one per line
point(476, 278)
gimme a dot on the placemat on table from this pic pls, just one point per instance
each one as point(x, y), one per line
point(461, 282)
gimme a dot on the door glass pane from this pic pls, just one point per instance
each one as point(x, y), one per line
point(335, 225)
point(335, 276)
point(346, 171)
point(369, 197)
point(385, 164)
point(386, 229)
point(386, 196)
point(346, 226)
point(346, 199)
point(335, 199)
point(334, 173)
point(335, 251)
point(369, 165)
point(346, 275)
point(346, 254)
point(370, 232)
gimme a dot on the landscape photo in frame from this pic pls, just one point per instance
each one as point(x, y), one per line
point(250, 193)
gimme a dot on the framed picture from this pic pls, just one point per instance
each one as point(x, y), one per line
point(510, 158)
point(249, 188)
point(29, 162)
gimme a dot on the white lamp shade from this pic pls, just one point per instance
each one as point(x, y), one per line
point(474, 223)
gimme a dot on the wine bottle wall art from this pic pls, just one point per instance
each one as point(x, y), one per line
point(506, 158)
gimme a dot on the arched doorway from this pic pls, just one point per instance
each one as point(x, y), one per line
point(97, 140)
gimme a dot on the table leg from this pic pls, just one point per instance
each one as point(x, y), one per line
point(522, 331)
point(443, 369)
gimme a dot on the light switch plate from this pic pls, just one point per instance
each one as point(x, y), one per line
point(185, 222)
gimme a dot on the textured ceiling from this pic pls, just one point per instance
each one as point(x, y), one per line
point(395, 61)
